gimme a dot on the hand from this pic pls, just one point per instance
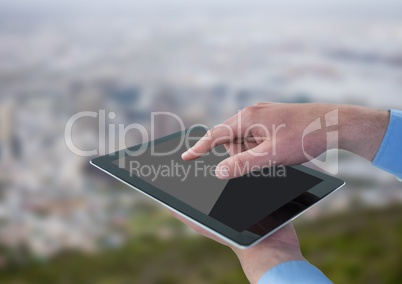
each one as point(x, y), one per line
point(281, 246)
point(276, 132)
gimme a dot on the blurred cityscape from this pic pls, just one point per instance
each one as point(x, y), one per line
point(202, 62)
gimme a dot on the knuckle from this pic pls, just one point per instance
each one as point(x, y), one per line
point(247, 111)
point(249, 114)
point(210, 133)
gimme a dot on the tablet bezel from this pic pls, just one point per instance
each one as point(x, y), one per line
point(243, 239)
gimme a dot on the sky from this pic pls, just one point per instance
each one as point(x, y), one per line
point(360, 8)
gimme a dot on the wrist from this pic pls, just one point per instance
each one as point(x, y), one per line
point(361, 130)
point(256, 263)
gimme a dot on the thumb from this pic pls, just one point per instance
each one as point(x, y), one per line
point(244, 162)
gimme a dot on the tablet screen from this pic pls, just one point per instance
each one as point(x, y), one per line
point(242, 204)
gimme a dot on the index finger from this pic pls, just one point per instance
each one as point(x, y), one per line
point(220, 134)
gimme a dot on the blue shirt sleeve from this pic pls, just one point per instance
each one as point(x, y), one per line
point(389, 155)
point(294, 272)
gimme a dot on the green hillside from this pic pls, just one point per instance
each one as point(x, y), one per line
point(358, 247)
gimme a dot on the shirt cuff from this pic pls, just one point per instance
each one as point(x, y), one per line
point(389, 155)
point(294, 272)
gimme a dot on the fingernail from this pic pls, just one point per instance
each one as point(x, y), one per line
point(184, 155)
point(222, 172)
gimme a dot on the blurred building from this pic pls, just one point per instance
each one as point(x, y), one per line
point(5, 132)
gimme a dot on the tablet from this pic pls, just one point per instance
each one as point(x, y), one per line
point(242, 211)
